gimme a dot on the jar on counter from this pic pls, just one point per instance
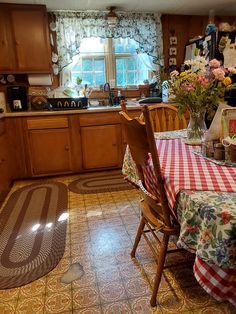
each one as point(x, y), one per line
point(219, 151)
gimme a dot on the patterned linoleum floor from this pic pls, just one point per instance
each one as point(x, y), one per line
point(100, 233)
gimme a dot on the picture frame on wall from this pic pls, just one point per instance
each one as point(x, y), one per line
point(173, 51)
point(172, 61)
point(173, 40)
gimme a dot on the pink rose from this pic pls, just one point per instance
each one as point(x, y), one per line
point(214, 63)
point(232, 70)
point(219, 74)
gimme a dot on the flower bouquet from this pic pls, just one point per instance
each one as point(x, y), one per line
point(199, 90)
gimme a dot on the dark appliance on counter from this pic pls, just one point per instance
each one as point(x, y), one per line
point(17, 98)
point(68, 103)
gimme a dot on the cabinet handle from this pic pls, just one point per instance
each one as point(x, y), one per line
point(2, 160)
point(67, 147)
point(114, 144)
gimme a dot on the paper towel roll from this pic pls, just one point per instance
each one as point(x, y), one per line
point(3, 101)
point(40, 79)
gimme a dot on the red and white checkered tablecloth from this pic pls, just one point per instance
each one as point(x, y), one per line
point(219, 282)
point(184, 170)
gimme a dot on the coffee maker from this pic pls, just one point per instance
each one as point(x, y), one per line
point(17, 98)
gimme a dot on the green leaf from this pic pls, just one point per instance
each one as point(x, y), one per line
point(220, 235)
point(204, 253)
point(214, 230)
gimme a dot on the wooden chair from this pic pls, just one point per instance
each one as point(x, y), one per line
point(156, 215)
point(165, 118)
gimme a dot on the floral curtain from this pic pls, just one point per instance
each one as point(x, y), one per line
point(72, 27)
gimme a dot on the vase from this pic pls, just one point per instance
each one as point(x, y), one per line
point(196, 127)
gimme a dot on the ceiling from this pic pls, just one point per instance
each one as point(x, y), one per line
point(189, 7)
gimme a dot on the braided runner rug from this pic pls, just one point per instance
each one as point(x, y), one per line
point(32, 232)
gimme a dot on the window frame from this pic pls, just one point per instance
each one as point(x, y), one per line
point(110, 58)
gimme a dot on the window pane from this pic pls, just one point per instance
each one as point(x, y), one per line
point(125, 45)
point(131, 78)
point(88, 78)
point(99, 65)
point(77, 67)
point(74, 77)
point(120, 64)
point(120, 79)
point(87, 65)
point(132, 46)
point(142, 76)
point(119, 48)
point(131, 64)
point(99, 79)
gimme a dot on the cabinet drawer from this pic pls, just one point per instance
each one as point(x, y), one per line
point(47, 123)
point(99, 118)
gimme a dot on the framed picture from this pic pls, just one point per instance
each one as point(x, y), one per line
point(172, 61)
point(173, 51)
point(173, 40)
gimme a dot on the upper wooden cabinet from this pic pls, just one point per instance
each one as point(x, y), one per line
point(24, 39)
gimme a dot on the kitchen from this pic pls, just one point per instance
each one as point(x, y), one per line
point(60, 144)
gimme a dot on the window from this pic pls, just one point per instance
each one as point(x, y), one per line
point(102, 60)
point(130, 68)
point(89, 65)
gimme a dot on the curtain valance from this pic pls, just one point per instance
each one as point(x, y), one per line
point(73, 26)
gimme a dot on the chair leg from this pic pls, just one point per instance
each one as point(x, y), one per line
point(160, 265)
point(138, 236)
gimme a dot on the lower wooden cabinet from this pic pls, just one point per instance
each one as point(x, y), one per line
point(101, 146)
point(5, 167)
point(49, 146)
point(70, 143)
point(50, 151)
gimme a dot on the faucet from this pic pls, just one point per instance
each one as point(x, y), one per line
point(107, 88)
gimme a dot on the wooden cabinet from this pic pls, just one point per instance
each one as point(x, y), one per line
point(101, 146)
point(5, 168)
point(49, 145)
point(101, 140)
point(24, 39)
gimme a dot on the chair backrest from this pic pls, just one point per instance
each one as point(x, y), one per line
point(165, 118)
point(141, 142)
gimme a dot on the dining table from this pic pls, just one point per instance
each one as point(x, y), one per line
point(201, 194)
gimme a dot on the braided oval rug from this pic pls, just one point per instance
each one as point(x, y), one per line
point(99, 182)
point(32, 232)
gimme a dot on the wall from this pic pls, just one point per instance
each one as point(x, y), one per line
point(185, 27)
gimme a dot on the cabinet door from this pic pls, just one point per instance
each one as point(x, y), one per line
point(50, 151)
point(5, 168)
point(7, 60)
point(101, 146)
point(30, 38)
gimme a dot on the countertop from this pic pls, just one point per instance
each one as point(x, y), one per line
point(63, 112)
